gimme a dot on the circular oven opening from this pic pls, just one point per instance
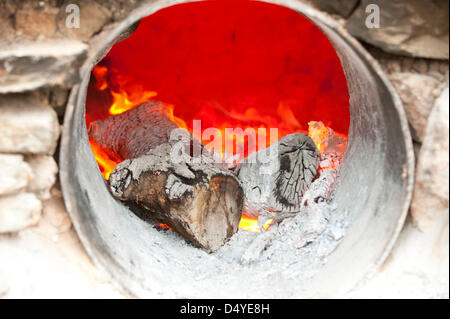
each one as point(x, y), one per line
point(241, 64)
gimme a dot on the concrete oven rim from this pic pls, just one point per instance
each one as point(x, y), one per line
point(70, 197)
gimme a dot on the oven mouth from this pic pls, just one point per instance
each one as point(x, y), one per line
point(375, 186)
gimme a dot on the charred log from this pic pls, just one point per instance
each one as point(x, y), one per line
point(275, 179)
point(165, 177)
point(201, 200)
point(134, 132)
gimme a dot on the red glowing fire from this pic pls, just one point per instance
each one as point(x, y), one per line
point(121, 103)
point(230, 64)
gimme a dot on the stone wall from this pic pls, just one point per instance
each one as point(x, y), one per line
point(39, 63)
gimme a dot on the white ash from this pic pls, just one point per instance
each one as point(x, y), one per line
point(301, 241)
point(283, 249)
point(175, 188)
point(298, 245)
point(259, 244)
point(319, 191)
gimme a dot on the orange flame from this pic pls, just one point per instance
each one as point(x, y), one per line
point(100, 73)
point(318, 135)
point(105, 163)
point(178, 121)
point(123, 103)
point(125, 97)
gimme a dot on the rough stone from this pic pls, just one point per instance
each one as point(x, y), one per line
point(29, 66)
point(36, 22)
point(15, 175)
point(58, 100)
point(121, 8)
point(6, 25)
point(391, 63)
point(342, 7)
point(18, 212)
point(27, 125)
point(410, 27)
point(418, 93)
point(44, 170)
point(431, 191)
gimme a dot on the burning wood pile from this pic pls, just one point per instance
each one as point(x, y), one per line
point(166, 175)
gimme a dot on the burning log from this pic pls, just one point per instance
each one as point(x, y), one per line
point(201, 201)
point(319, 191)
point(134, 132)
point(161, 181)
point(275, 179)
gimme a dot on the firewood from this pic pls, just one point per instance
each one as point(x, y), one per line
point(200, 200)
point(275, 179)
point(197, 197)
point(134, 132)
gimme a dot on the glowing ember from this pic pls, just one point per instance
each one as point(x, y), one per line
point(163, 226)
point(251, 224)
point(326, 139)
